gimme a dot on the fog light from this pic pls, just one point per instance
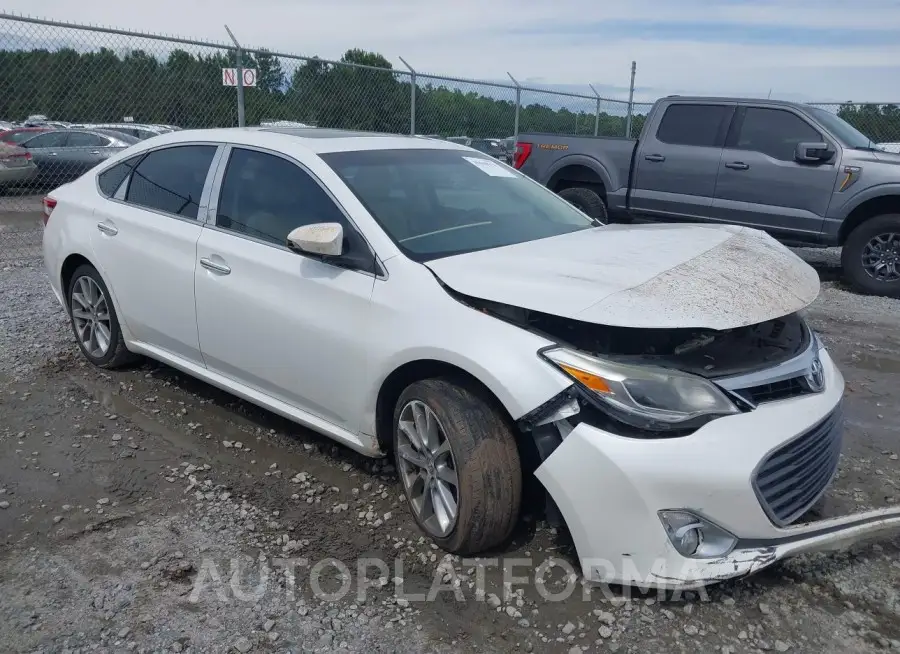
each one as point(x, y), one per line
point(695, 537)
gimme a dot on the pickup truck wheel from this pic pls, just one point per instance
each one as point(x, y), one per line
point(458, 462)
point(587, 200)
point(871, 256)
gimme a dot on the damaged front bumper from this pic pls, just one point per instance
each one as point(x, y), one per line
point(612, 491)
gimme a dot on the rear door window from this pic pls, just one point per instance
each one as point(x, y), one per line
point(171, 180)
point(694, 124)
point(85, 139)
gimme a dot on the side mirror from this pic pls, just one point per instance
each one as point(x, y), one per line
point(813, 152)
point(322, 239)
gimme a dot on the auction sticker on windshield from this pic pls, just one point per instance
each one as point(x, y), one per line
point(489, 167)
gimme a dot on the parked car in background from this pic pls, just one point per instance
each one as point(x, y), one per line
point(459, 140)
point(889, 147)
point(139, 132)
point(66, 154)
point(660, 381)
point(16, 166)
point(798, 172)
point(18, 134)
point(491, 147)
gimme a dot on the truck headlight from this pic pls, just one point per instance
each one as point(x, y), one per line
point(646, 397)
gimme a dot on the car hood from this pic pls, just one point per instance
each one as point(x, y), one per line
point(663, 276)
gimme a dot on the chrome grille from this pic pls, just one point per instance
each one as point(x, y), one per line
point(790, 480)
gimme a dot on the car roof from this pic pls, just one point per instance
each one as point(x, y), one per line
point(315, 139)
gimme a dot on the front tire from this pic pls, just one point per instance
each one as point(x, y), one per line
point(458, 462)
point(871, 256)
point(94, 320)
point(588, 201)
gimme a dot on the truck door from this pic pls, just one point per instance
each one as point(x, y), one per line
point(761, 184)
point(677, 163)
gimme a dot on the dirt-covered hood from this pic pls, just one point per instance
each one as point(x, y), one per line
point(703, 276)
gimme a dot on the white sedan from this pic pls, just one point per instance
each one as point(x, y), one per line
point(417, 297)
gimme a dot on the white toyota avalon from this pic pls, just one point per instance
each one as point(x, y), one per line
point(416, 297)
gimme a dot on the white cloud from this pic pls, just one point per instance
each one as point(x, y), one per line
point(484, 39)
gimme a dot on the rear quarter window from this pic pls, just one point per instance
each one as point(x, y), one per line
point(111, 179)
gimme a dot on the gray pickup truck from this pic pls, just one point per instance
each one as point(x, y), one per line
point(798, 172)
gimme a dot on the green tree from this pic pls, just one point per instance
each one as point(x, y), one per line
point(361, 92)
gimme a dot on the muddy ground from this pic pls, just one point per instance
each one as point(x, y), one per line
point(141, 510)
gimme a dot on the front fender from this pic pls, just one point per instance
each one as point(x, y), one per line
point(846, 207)
point(414, 319)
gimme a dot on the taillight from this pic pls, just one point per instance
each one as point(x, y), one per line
point(49, 206)
point(523, 151)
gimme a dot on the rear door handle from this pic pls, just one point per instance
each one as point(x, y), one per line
point(215, 267)
point(655, 158)
point(738, 165)
point(94, 152)
point(108, 229)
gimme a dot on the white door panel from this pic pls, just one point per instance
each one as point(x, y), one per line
point(284, 324)
point(148, 260)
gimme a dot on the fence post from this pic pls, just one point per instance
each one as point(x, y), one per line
point(239, 70)
point(597, 114)
point(412, 98)
point(630, 101)
point(518, 104)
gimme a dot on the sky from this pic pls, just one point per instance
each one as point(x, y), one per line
point(807, 50)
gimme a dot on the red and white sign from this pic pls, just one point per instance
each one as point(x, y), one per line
point(229, 76)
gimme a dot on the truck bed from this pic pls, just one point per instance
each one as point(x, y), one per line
point(558, 162)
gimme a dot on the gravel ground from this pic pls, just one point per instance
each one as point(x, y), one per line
point(145, 511)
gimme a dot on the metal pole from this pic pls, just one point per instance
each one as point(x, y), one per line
point(239, 69)
point(412, 98)
point(518, 104)
point(597, 113)
point(630, 101)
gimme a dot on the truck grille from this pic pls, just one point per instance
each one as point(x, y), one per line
point(793, 477)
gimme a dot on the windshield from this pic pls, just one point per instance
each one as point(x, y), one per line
point(437, 203)
point(846, 133)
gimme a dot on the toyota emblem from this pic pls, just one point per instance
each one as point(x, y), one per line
point(815, 376)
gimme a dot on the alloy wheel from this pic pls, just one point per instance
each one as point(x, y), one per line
point(90, 315)
point(427, 468)
point(881, 257)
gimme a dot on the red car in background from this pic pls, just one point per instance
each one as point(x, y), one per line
point(18, 134)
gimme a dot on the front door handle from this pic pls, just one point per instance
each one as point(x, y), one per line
point(94, 152)
point(52, 154)
point(738, 165)
point(655, 158)
point(215, 267)
point(108, 229)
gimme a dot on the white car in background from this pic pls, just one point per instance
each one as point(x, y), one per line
point(889, 147)
point(415, 296)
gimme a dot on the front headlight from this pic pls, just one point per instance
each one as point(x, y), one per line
point(646, 397)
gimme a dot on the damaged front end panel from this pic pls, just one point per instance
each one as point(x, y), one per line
point(660, 383)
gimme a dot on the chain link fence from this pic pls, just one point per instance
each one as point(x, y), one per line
point(72, 95)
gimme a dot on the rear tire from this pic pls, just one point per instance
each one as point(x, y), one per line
point(876, 240)
point(94, 320)
point(587, 200)
point(483, 460)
